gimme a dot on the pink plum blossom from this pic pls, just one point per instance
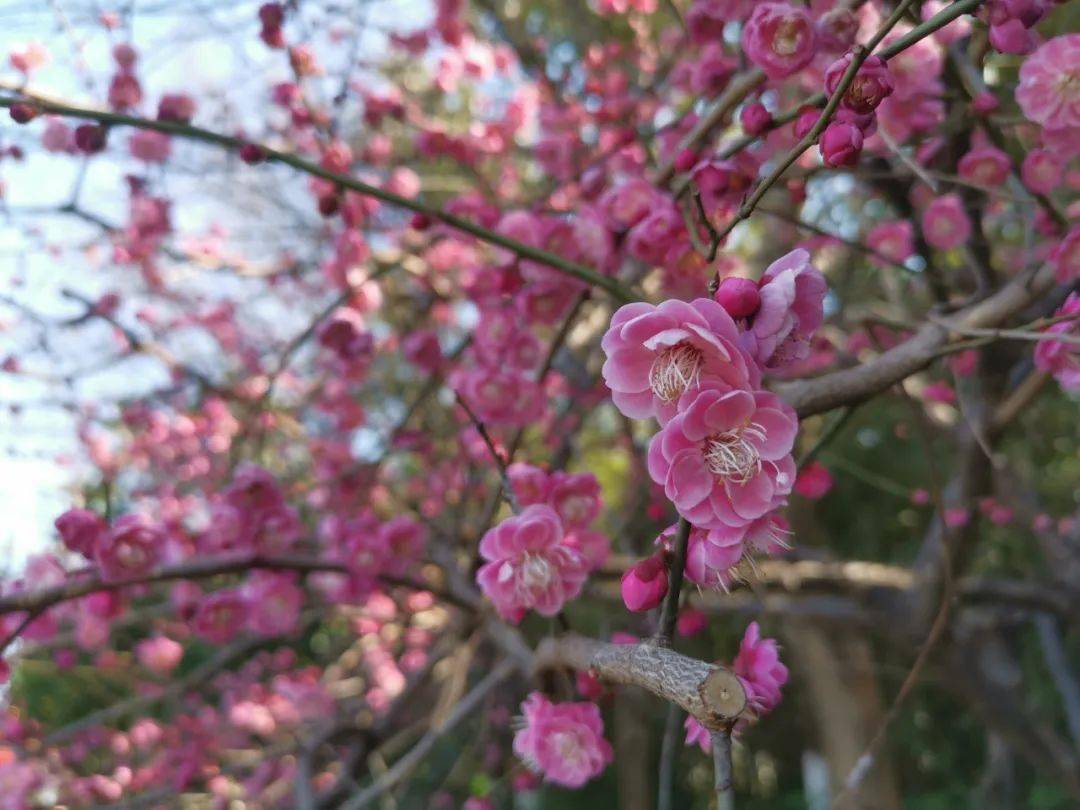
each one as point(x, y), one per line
point(872, 83)
point(644, 584)
point(946, 224)
point(529, 565)
point(159, 654)
point(758, 667)
point(725, 458)
point(130, 548)
point(792, 294)
point(1046, 92)
point(814, 481)
point(562, 741)
point(779, 38)
point(1065, 258)
point(81, 530)
point(1057, 357)
point(656, 353)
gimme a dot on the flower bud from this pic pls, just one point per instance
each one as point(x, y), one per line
point(739, 296)
point(755, 119)
point(841, 143)
point(645, 584)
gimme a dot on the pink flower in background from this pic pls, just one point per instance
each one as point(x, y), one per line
point(1065, 258)
point(779, 38)
point(894, 240)
point(706, 18)
point(58, 137)
point(562, 741)
point(656, 353)
point(1048, 79)
point(29, 57)
point(691, 621)
point(81, 530)
point(220, 616)
point(274, 600)
point(150, 146)
point(792, 308)
point(176, 107)
point(758, 667)
point(575, 497)
point(725, 458)
point(500, 397)
point(1057, 357)
point(814, 481)
point(530, 484)
point(644, 584)
point(945, 222)
point(1042, 171)
point(422, 349)
point(159, 654)
point(529, 565)
point(985, 166)
point(130, 548)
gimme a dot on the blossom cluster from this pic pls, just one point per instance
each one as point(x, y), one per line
point(723, 453)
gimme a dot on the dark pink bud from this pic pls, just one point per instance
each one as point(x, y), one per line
point(739, 296)
point(841, 144)
point(420, 222)
point(645, 584)
point(272, 36)
point(1012, 37)
point(985, 103)
point(808, 116)
point(271, 15)
point(125, 56)
point(176, 107)
point(329, 204)
point(23, 113)
point(90, 138)
point(755, 118)
point(685, 160)
point(252, 153)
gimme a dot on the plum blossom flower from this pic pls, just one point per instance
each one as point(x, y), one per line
point(1047, 90)
point(946, 223)
point(500, 396)
point(656, 353)
point(274, 602)
point(984, 165)
point(814, 481)
point(530, 566)
point(792, 296)
point(1065, 258)
point(713, 555)
point(894, 240)
point(150, 146)
point(220, 616)
point(562, 741)
point(1057, 357)
point(758, 667)
point(80, 529)
point(872, 83)
point(575, 497)
point(779, 38)
point(725, 458)
point(1041, 171)
point(130, 548)
point(159, 654)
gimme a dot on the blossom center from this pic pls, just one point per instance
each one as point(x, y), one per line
point(674, 370)
point(535, 572)
point(733, 455)
point(787, 39)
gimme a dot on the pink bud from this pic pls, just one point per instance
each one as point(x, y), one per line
point(645, 584)
point(23, 113)
point(739, 296)
point(755, 118)
point(125, 56)
point(985, 103)
point(90, 138)
point(841, 144)
point(691, 622)
point(252, 153)
point(685, 160)
point(176, 107)
point(808, 116)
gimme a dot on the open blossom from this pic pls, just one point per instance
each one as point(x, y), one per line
point(220, 616)
point(713, 555)
point(159, 654)
point(872, 83)
point(946, 223)
point(894, 240)
point(575, 497)
point(130, 548)
point(758, 667)
point(500, 396)
point(656, 353)
point(1057, 357)
point(779, 38)
point(1048, 80)
point(985, 166)
point(1041, 171)
point(274, 601)
point(529, 564)
point(725, 458)
point(792, 294)
point(562, 741)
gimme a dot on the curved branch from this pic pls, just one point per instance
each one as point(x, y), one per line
point(610, 285)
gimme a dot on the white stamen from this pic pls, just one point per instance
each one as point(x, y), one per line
point(733, 455)
point(674, 370)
